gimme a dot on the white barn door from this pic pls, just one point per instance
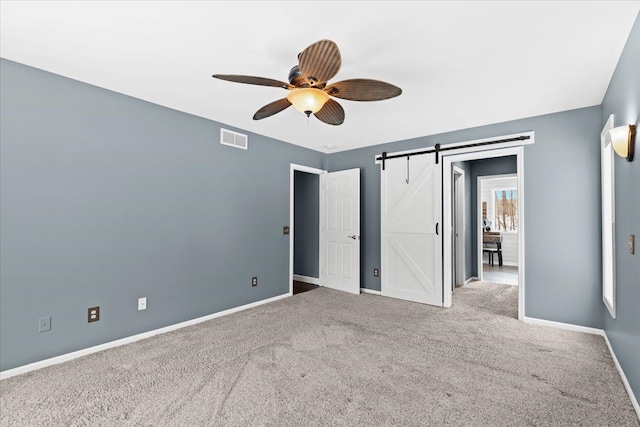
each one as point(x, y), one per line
point(340, 230)
point(411, 198)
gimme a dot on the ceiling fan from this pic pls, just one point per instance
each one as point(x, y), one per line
point(309, 91)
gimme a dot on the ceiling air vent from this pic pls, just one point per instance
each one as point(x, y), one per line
point(233, 139)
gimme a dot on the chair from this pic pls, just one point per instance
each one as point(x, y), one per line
point(492, 238)
point(490, 252)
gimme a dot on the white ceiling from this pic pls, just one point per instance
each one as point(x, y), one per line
point(460, 64)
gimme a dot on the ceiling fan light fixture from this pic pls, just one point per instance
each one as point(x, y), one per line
point(308, 100)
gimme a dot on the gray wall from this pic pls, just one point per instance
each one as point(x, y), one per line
point(106, 198)
point(306, 228)
point(562, 171)
point(485, 167)
point(623, 100)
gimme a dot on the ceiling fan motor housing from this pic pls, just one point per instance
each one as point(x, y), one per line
point(295, 76)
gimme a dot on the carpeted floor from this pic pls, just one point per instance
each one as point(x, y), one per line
point(324, 357)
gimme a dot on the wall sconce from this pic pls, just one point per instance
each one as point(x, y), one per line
point(622, 139)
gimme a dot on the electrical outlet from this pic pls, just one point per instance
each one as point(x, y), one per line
point(254, 281)
point(142, 303)
point(376, 272)
point(44, 324)
point(93, 314)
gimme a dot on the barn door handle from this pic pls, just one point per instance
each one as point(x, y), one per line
point(407, 180)
point(437, 234)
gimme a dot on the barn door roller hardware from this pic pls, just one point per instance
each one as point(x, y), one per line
point(437, 149)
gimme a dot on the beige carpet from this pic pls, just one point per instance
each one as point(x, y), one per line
point(328, 358)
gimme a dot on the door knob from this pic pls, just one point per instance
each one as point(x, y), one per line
point(354, 237)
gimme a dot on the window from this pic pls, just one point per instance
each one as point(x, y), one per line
point(608, 220)
point(505, 209)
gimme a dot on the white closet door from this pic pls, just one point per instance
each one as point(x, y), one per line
point(412, 229)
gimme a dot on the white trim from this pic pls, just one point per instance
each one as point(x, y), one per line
point(471, 279)
point(128, 340)
point(521, 245)
point(560, 325)
point(479, 229)
point(625, 381)
point(510, 149)
point(461, 225)
point(607, 161)
point(307, 279)
point(370, 291)
point(292, 168)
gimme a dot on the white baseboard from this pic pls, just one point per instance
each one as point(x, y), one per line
point(306, 279)
point(470, 279)
point(627, 386)
point(74, 355)
point(560, 325)
point(370, 291)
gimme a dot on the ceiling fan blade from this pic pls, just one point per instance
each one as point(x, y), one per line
point(363, 90)
point(271, 109)
point(320, 62)
point(332, 113)
point(252, 80)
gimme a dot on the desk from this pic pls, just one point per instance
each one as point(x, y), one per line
point(489, 240)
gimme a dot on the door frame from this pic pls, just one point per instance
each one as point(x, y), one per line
point(500, 150)
point(459, 222)
point(292, 169)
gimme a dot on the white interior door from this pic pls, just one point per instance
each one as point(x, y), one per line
point(411, 196)
point(340, 230)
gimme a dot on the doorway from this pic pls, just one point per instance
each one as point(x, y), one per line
point(497, 228)
point(448, 161)
point(333, 215)
point(304, 228)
